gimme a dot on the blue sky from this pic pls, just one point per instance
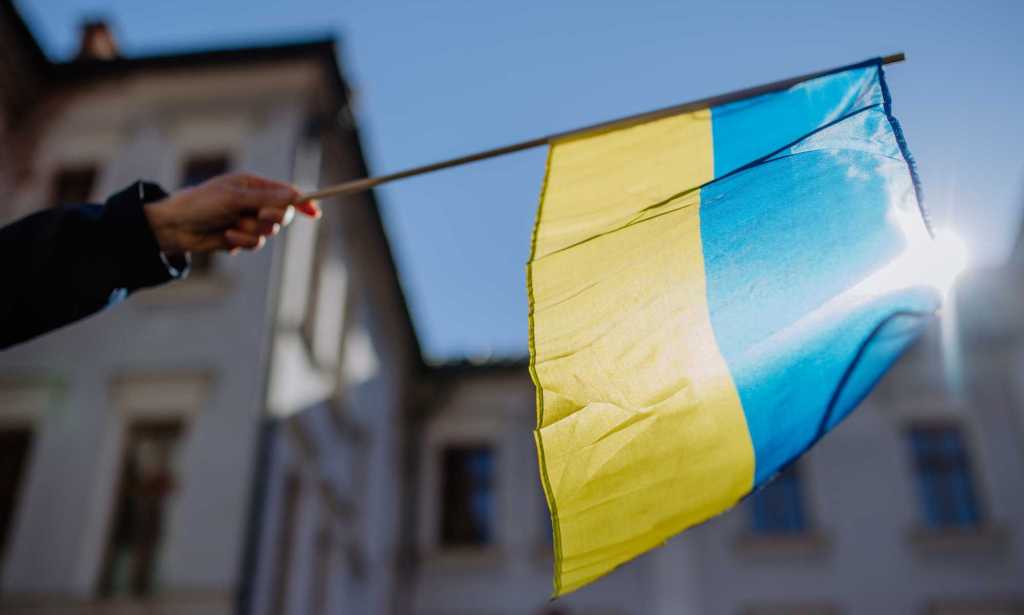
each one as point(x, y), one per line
point(438, 79)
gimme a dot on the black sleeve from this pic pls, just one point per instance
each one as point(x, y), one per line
point(60, 265)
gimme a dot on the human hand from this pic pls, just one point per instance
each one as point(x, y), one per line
point(228, 212)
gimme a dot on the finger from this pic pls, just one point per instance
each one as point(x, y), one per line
point(277, 215)
point(254, 192)
point(309, 208)
point(263, 183)
point(246, 241)
point(254, 226)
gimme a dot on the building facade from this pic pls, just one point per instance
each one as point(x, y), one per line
point(264, 438)
point(912, 505)
point(134, 445)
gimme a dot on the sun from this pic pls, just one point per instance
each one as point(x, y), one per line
point(947, 257)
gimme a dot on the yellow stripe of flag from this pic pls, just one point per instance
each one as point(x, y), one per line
point(617, 292)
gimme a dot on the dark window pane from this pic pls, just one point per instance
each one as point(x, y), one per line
point(147, 482)
point(944, 482)
point(73, 185)
point(14, 448)
point(467, 516)
point(201, 168)
point(197, 170)
point(778, 506)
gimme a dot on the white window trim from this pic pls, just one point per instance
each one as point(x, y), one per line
point(24, 402)
point(23, 405)
point(456, 430)
point(160, 396)
point(133, 397)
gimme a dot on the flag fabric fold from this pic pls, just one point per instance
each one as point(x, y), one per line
point(709, 294)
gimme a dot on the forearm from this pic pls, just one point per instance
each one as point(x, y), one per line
point(64, 264)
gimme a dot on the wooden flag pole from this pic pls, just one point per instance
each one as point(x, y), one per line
point(359, 185)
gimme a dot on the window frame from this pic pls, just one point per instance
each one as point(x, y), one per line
point(8, 525)
point(24, 404)
point(970, 469)
point(810, 543)
point(796, 472)
point(468, 446)
point(105, 589)
point(467, 419)
point(140, 396)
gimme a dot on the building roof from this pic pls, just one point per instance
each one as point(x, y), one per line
point(9, 13)
point(323, 49)
point(466, 367)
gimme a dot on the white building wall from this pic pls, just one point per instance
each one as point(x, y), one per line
point(214, 328)
point(512, 576)
point(308, 447)
point(868, 551)
point(342, 364)
point(874, 555)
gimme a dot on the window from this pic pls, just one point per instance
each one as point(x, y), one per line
point(467, 516)
point(73, 185)
point(943, 478)
point(147, 483)
point(778, 506)
point(201, 168)
point(197, 170)
point(14, 448)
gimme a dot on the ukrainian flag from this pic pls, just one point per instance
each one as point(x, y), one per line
point(709, 294)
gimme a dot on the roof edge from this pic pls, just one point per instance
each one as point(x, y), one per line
point(462, 367)
point(284, 50)
point(24, 32)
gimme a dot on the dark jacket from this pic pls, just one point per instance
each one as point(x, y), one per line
point(66, 263)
